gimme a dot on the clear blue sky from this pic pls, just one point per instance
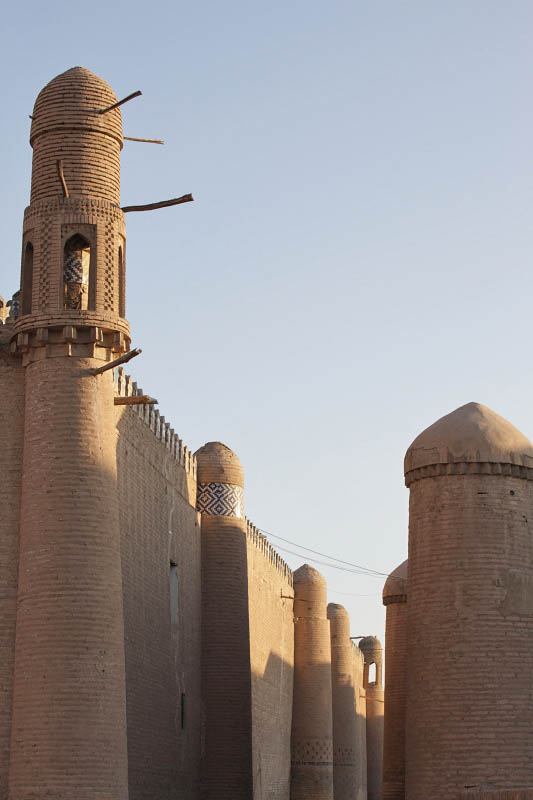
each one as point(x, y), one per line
point(357, 262)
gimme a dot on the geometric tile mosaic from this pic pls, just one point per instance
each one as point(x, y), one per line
point(220, 499)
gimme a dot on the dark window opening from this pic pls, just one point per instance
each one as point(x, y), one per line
point(76, 266)
point(183, 710)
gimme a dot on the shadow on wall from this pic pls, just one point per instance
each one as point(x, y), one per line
point(349, 765)
point(271, 720)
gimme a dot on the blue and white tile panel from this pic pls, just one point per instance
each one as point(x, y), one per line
point(220, 499)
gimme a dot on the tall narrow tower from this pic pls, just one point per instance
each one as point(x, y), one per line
point(373, 683)
point(470, 607)
point(226, 670)
point(312, 720)
point(346, 783)
point(395, 599)
point(69, 728)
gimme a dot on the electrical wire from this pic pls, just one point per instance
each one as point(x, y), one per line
point(357, 569)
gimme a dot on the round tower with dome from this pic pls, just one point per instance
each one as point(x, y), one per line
point(69, 722)
point(470, 607)
point(395, 601)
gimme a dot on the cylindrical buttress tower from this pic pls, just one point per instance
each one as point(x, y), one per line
point(226, 675)
point(11, 445)
point(395, 600)
point(373, 683)
point(343, 704)
point(358, 661)
point(69, 715)
point(470, 620)
point(312, 724)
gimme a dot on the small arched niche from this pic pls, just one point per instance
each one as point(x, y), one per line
point(76, 267)
point(26, 284)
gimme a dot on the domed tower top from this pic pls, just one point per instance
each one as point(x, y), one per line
point(218, 464)
point(470, 435)
point(68, 127)
point(372, 650)
point(340, 624)
point(72, 100)
point(395, 589)
point(309, 592)
point(220, 485)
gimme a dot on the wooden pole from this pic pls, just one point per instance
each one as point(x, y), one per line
point(150, 141)
point(120, 103)
point(62, 178)
point(117, 361)
point(135, 400)
point(186, 198)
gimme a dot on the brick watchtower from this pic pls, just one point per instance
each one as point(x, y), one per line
point(346, 783)
point(226, 669)
point(373, 683)
point(69, 728)
point(470, 622)
point(312, 720)
point(395, 599)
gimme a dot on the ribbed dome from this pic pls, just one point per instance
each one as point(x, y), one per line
point(70, 101)
point(471, 433)
point(396, 583)
point(218, 464)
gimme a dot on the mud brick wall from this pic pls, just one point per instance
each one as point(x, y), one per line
point(11, 444)
point(160, 540)
point(270, 602)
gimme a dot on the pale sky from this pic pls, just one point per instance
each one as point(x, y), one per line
point(357, 261)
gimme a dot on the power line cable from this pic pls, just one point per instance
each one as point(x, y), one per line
point(356, 568)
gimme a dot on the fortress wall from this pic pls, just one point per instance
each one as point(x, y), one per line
point(272, 660)
point(11, 443)
point(159, 525)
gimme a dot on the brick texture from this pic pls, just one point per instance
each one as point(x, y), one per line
point(159, 532)
point(345, 745)
point(470, 624)
point(360, 723)
point(65, 126)
point(373, 654)
point(11, 441)
point(270, 602)
point(312, 724)
point(69, 721)
point(395, 600)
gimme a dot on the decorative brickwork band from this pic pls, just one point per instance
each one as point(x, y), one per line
point(469, 468)
point(220, 499)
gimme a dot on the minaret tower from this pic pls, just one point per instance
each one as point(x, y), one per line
point(69, 727)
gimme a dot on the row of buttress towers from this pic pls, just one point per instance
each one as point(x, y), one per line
point(459, 655)
point(64, 733)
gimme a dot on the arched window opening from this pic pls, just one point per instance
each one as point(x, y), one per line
point(76, 264)
point(372, 672)
point(26, 283)
point(121, 284)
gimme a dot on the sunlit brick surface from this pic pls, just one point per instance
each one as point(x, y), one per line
point(69, 720)
point(11, 439)
point(312, 725)
point(396, 663)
